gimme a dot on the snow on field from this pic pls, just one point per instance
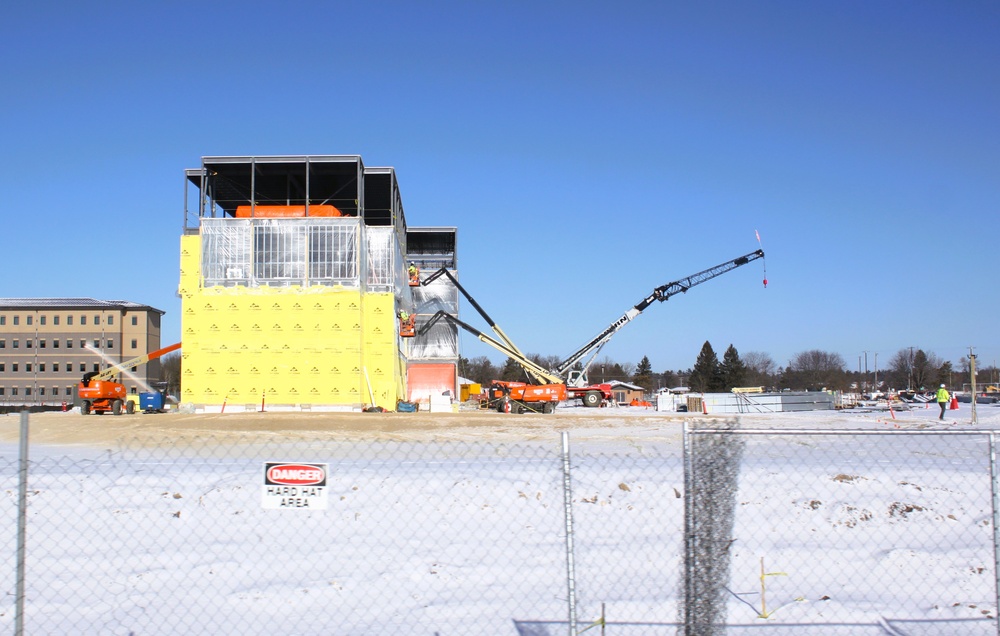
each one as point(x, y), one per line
point(454, 524)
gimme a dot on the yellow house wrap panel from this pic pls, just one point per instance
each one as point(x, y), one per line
point(286, 345)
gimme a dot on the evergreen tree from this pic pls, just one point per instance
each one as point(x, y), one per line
point(732, 370)
point(944, 373)
point(705, 376)
point(512, 371)
point(480, 369)
point(644, 374)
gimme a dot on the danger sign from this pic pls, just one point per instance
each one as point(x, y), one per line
point(294, 485)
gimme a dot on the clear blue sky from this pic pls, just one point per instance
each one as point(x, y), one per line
point(586, 151)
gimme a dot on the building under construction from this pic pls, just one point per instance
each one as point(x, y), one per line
point(293, 273)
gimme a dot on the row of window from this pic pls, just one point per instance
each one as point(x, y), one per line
point(40, 391)
point(16, 320)
point(27, 391)
point(42, 367)
point(42, 343)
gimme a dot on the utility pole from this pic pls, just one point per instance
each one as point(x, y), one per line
point(909, 372)
point(866, 369)
point(972, 372)
point(876, 370)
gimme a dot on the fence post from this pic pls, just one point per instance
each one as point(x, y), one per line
point(996, 518)
point(568, 514)
point(22, 516)
point(688, 531)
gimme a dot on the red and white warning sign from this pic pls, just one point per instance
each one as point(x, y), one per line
point(294, 485)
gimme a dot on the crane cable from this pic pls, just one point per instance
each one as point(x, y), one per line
point(762, 260)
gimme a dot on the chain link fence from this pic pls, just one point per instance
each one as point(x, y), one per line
point(722, 531)
point(841, 532)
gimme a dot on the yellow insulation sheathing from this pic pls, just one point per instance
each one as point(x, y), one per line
point(290, 346)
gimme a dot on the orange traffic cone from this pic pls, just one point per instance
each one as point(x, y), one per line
point(954, 404)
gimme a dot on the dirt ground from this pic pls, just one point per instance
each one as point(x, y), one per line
point(73, 428)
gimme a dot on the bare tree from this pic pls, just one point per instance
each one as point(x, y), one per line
point(760, 368)
point(900, 370)
point(815, 369)
point(925, 369)
point(170, 372)
point(480, 369)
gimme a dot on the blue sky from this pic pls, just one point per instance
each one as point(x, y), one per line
point(586, 151)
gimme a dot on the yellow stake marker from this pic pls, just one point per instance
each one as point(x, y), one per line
point(763, 591)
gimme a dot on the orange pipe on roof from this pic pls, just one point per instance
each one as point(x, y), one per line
point(286, 211)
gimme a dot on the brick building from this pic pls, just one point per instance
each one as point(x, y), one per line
point(47, 344)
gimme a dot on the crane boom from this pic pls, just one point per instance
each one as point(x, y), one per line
point(112, 371)
point(537, 372)
point(661, 293)
point(482, 312)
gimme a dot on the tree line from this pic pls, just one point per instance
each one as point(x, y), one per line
point(911, 368)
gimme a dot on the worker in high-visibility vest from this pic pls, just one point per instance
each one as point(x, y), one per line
point(942, 399)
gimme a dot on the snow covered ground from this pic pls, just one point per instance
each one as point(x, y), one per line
point(454, 524)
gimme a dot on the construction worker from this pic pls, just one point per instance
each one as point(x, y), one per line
point(403, 316)
point(414, 274)
point(942, 399)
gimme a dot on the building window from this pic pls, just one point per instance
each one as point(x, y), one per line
point(135, 344)
point(41, 367)
point(1, 390)
point(2, 367)
point(13, 367)
point(83, 367)
point(97, 367)
point(3, 344)
point(69, 320)
point(27, 391)
point(29, 319)
point(13, 390)
point(41, 390)
point(55, 321)
point(27, 367)
point(83, 343)
point(97, 343)
point(15, 344)
point(69, 390)
point(111, 343)
point(16, 320)
point(55, 343)
point(55, 367)
point(55, 391)
point(97, 320)
point(133, 391)
point(3, 321)
point(41, 320)
point(41, 344)
point(111, 320)
point(83, 319)
point(28, 343)
point(135, 321)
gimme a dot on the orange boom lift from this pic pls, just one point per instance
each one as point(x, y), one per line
point(100, 394)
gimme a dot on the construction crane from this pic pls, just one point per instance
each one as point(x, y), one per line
point(100, 394)
point(661, 294)
point(564, 381)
